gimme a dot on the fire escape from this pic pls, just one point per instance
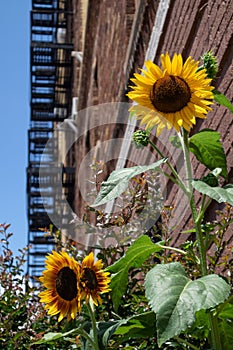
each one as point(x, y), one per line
point(51, 103)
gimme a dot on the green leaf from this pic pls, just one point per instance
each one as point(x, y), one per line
point(138, 326)
point(107, 329)
point(222, 100)
point(220, 194)
point(118, 181)
point(226, 310)
point(226, 335)
point(134, 257)
point(128, 327)
point(201, 327)
point(208, 150)
point(48, 337)
point(175, 298)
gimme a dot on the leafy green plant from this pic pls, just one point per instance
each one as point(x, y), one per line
point(22, 317)
point(162, 296)
point(177, 299)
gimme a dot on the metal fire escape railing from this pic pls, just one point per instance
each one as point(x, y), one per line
point(51, 100)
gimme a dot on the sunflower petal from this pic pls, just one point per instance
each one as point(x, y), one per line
point(62, 300)
point(93, 280)
point(166, 63)
point(195, 106)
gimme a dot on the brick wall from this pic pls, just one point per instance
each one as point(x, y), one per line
point(192, 29)
point(115, 47)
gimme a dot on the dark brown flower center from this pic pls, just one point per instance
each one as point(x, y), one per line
point(66, 284)
point(170, 94)
point(90, 279)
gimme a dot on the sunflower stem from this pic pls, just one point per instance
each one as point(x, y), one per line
point(197, 218)
point(169, 177)
point(177, 179)
point(85, 335)
point(94, 326)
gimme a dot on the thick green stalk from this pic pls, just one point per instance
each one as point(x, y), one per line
point(215, 336)
point(197, 223)
point(94, 327)
point(85, 335)
point(193, 207)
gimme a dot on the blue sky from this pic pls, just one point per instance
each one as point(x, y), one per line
point(15, 109)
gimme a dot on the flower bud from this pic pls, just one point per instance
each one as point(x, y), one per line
point(210, 64)
point(140, 138)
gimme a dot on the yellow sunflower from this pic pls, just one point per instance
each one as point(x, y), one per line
point(61, 279)
point(172, 96)
point(93, 281)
